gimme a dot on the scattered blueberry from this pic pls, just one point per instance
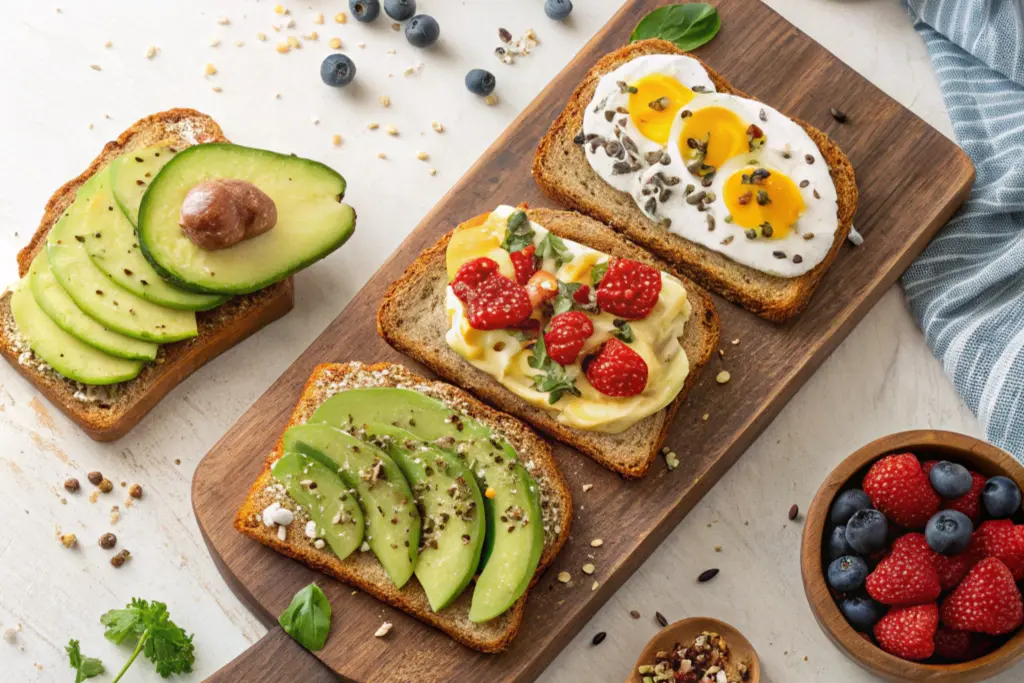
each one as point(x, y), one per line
point(558, 9)
point(337, 70)
point(364, 10)
point(950, 480)
point(847, 573)
point(847, 503)
point(948, 532)
point(422, 30)
point(861, 612)
point(838, 545)
point(480, 81)
point(1001, 497)
point(867, 531)
point(400, 10)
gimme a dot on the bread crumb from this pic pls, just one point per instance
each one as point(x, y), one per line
point(438, 127)
point(422, 156)
point(108, 44)
point(318, 18)
point(432, 171)
point(373, 125)
point(335, 43)
point(211, 70)
point(391, 130)
point(336, 140)
point(341, 17)
point(151, 51)
point(491, 100)
point(384, 629)
point(261, 36)
point(294, 42)
point(705, 416)
point(587, 487)
point(382, 155)
point(95, 67)
point(223, 21)
point(283, 48)
point(215, 42)
point(278, 9)
point(385, 101)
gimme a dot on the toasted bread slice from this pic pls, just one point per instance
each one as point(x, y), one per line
point(562, 171)
point(361, 569)
point(412, 319)
point(106, 415)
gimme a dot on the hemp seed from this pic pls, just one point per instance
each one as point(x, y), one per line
point(108, 541)
point(135, 491)
point(106, 486)
point(95, 478)
point(71, 485)
point(119, 559)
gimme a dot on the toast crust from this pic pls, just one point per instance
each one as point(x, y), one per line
point(219, 329)
point(362, 570)
point(412, 319)
point(561, 170)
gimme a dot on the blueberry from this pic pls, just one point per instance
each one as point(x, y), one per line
point(480, 81)
point(422, 30)
point(1001, 497)
point(949, 532)
point(838, 545)
point(364, 10)
point(847, 503)
point(337, 70)
point(867, 531)
point(847, 573)
point(400, 10)
point(950, 480)
point(861, 612)
point(558, 9)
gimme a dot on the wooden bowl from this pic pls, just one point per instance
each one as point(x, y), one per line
point(928, 444)
point(685, 631)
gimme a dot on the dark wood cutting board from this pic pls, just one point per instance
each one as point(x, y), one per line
point(911, 179)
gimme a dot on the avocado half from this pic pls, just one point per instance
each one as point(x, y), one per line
point(312, 220)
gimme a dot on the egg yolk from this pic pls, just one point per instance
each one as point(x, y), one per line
point(654, 105)
point(723, 131)
point(756, 201)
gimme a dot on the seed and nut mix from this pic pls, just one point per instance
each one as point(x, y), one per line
point(706, 660)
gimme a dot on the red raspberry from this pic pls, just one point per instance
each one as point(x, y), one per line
point(970, 502)
point(909, 632)
point(629, 289)
point(1003, 539)
point(617, 370)
point(898, 487)
point(492, 301)
point(953, 645)
point(987, 601)
point(566, 335)
point(525, 263)
point(582, 295)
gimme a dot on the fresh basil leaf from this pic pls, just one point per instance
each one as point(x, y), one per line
point(539, 359)
point(308, 618)
point(518, 233)
point(552, 246)
point(597, 273)
point(85, 667)
point(564, 300)
point(623, 332)
point(688, 25)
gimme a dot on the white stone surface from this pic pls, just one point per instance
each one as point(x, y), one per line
point(57, 112)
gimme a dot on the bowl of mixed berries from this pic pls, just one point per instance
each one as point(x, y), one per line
point(913, 557)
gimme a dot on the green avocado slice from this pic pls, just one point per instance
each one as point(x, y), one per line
point(103, 300)
point(74, 359)
point(312, 221)
point(331, 505)
point(450, 504)
point(392, 521)
point(132, 172)
point(113, 245)
point(515, 530)
point(62, 310)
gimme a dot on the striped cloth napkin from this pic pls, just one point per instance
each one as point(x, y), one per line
point(967, 288)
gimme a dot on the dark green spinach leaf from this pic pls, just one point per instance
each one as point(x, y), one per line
point(688, 25)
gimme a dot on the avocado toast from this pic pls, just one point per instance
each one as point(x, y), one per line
point(484, 487)
point(93, 324)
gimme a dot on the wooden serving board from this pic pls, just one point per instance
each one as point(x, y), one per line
point(911, 179)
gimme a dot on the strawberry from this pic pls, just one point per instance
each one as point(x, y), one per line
point(909, 632)
point(492, 301)
point(907, 576)
point(629, 289)
point(582, 295)
point(525, 263)
point(970, 502)
point(898, 487)
point(566, 335)
point(953, 568)
point(987, 601)
point(1001, 538)
point(953, 645)
point(617, 370)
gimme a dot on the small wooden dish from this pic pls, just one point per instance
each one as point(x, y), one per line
point(685, 631)
point(928, 444)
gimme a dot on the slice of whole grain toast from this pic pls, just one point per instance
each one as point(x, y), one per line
point(412, 319)
point(561, 169)
point(362, 569)
point(106, 415)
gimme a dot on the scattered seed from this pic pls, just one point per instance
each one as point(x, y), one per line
point(696, 197)
point(838, 115)
point(336, 140)
point(816, 195)
point(108, 541)
point(223, 21)
point(808, 158)
point(69, 541)
point(95, 67)
point(633, 613)
point(422, 156)
point(779, 254)
point(504, 35)
point(598, 638)
point(211, 70)
point(95, 478)
point(151, 51)
point(564, 577)
point(71, 485)
point(723, 377)
point(373, 125)
point(382, 155)
point(707, 575)
point(705, 417)
point(283, 48)
point(135, 491)
point(432, 171)
point(587, 487)
point(341, 17)
point(797, 258)
point(794, 510)
point(762, 115)
point(588, 569)
point(385, 101)
point(491, 100)
point(660, 618)
point(596, 543)
point(711, 223)
point(334, 43)
point(659, 104)
point(383, 630)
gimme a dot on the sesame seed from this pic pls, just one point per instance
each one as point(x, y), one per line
point(314, 120)
point(705, 416)
point(95, 67)
point(594, 586)
point(587, 487)
point(588, 569)
point(564, 577)
point(239, 43)
point(596, 543)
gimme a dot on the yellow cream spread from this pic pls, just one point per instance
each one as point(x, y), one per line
point(504, 354)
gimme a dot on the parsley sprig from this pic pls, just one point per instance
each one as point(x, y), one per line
point(552, 246)
point(552, 379)
point(518, 233)
point(85, 667)
point(564, 300)
point(157, 637)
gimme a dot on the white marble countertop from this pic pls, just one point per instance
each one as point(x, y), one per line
point(56, 114)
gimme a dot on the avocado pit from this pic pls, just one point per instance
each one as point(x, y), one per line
point(221, 212)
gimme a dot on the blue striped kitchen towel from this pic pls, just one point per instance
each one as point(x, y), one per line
point(967, 288)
